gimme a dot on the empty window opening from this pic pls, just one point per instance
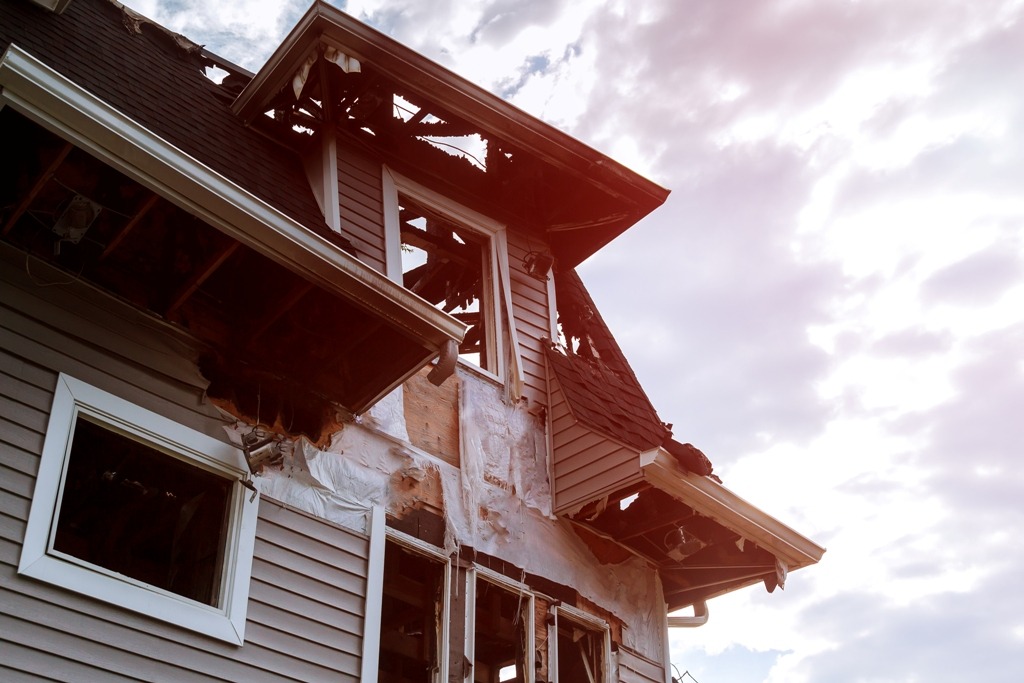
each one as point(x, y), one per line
point(143, 513)
point(501, 635)
point(412, 611)
point(449, 265)
point(580, 652)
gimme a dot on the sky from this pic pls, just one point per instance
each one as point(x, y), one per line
point(830, 304)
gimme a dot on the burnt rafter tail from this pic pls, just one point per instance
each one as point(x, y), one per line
point(275, 313)
point(40, 183)
point(200, 276)
point(130, 225)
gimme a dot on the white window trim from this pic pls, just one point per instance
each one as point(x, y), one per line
point(497, 297)
point(478, 573)
point(40, 561)
point(419, 547)
point(587, 621)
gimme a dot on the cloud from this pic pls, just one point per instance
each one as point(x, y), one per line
point(945, 639)
point(977, 279)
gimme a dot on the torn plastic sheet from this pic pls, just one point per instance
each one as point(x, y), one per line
point(498, 502)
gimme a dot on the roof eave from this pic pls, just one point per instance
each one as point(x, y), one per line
point(713, 500)
point(449, 90)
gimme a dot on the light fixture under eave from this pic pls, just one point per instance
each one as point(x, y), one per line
point(260, 449)
point(537, 264)
point(76, 219)
point(681, 545)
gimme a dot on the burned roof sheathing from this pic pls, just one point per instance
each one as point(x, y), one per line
point(594, 374)
point(420, 117)
point(143, 71)
point(700, 537)
point(237, 253)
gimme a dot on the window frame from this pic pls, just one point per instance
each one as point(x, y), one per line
point(587, 621)
point(430, 552)
point(40, 561)
point(478, 573)
point(493, 294)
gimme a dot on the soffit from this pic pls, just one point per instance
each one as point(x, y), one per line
point(296, 332)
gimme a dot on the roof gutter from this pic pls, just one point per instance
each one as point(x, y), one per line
point(713, 500)
point(699, 618)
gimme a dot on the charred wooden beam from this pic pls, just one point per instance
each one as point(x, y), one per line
point(129, 226)
point(40, 183)
point(200, 276)
point(272, 315)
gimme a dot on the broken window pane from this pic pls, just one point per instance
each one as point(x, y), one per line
point(580, 652)
point(448, 265)
point(141, 512)
point(500, 644)
point(411, 614)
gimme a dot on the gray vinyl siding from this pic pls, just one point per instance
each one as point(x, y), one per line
point(306, 602)
point(635, 668)
point(585, 464)
point(362, 206)
point(530, 311)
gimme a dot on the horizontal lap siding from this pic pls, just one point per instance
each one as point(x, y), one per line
point(306, 601)
point(530, 312)
point(362, 206)
point(635, 668)
point(586, 464)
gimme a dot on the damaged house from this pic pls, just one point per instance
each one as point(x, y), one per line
point(298, 381)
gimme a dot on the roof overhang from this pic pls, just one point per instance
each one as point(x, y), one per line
point(715, 501)
point(326, 26)
point(38, 92)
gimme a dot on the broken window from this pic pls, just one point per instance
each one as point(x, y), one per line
point(503, 634)
point(414, 615)
point(449, 265)
point(582, 647)
point(141, 512)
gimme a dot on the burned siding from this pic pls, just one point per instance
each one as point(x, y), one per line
point(308, 580)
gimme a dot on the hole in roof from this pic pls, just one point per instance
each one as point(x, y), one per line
point(215, 74)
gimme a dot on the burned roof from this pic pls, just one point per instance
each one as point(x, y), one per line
point(593, 373)
point(417, 116)
point(142, 70)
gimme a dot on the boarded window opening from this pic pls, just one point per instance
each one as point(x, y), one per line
point(143, 513)
point(411, 614)
point(449, 265)
point(500, 638)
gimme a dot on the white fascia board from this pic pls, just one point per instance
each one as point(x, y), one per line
point(713, 500)
point(47, 97)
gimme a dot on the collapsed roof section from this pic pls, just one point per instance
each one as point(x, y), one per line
point(618, 474)
point(434, 125)
point(127, 168)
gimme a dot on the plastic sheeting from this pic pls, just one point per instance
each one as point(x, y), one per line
point(497, 502)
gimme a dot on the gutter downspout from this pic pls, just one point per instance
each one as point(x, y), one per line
point(699, 618)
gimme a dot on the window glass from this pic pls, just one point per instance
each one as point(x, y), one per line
point(143, 513)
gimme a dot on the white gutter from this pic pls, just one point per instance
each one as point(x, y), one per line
point(713, 500)
point(699, 618)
